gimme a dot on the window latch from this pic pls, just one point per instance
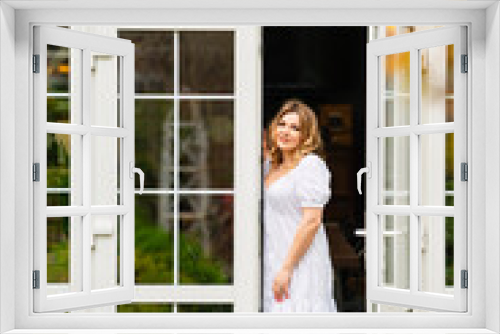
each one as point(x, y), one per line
point(133, 170)
point(368, 171)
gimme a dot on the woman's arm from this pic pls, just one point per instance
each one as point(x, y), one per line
point(304, 236)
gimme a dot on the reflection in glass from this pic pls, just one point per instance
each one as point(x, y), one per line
point(205, 308)
point(64, 255)
point(63, 84)
point(395, 241)
point(105, 251)
point(154, 61)
point(104, 89)
point(395, 170)
point(145, 307)
point(206, 242)
point(437, 159)
point(106, 174)
point(436, 249)
point(437, 70)
point(395, 89)
point(154, 239)
point(154, 142)
point(64, 169)
point(206, 62)
point(206, 144)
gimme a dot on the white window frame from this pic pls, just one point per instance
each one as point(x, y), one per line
point(483, 50)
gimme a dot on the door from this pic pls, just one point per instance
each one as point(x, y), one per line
point(83, 170)
point(416, 186)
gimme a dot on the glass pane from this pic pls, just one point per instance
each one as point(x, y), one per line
point(64, 88)
point(64, 255)
point(105, 248)
point(395, 89)
point(154, 61)
point(437, 85)
point(105, 79)
point(145, 307)
point(64, 173)
point(395, 153)
point(202, 308)
point(395, 241)
point(206, 144)
point(154, 143)
point(154, 239)
point(437, 160)
point(436, 249)
point(206, 62)
point(206, 239)
point(106, 170)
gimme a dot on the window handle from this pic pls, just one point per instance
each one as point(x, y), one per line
point(133, 170)
point(368, 171)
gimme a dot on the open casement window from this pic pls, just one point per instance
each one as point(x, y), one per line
point(83, 170)
point(416, 147)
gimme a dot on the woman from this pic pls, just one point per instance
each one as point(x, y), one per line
point(297, 266)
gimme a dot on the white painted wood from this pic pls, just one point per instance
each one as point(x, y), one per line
point(89, 295)
point(475, 319)
point(414, 298)
point(7, 167)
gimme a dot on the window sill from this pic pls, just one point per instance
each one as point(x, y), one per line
point(253, 331)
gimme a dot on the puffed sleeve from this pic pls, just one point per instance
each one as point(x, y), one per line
point(313, 183)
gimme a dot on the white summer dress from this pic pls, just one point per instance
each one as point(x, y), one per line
point(311, 289)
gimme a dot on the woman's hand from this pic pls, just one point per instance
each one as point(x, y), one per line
point(281, 284)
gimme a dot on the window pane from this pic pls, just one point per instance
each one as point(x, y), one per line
point(437, 160)
point(104, 89)
point(64, 84)
point(437, 84)
point(144, 307)
point(395, 256)
point(154, 61)
point(64, 176)
point(206, 62)
point(206, 144)
point(395, 155)
point(154, 143)
point(105, 246)
point(206, 243)
point(395, 89)
point(106, 170)
point(64, 255)
point(204, 308)
point(154, 239)
point(436, 249)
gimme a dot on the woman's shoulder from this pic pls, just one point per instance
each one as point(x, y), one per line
point(313, 159)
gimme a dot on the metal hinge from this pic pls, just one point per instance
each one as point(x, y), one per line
point(464, 171)
point(465, 64)
point(465, 279)
point(36, 63)
point(36, 172)
point(36, 279)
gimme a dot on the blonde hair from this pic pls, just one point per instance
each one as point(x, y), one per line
point(310, 139)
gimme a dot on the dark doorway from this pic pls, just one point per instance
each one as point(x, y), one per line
point(326, 68)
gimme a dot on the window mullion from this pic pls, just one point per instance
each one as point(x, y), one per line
point(86, 171)
point(176, 163)
point(414, 169)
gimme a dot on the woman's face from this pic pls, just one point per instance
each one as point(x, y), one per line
point(288, 132)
